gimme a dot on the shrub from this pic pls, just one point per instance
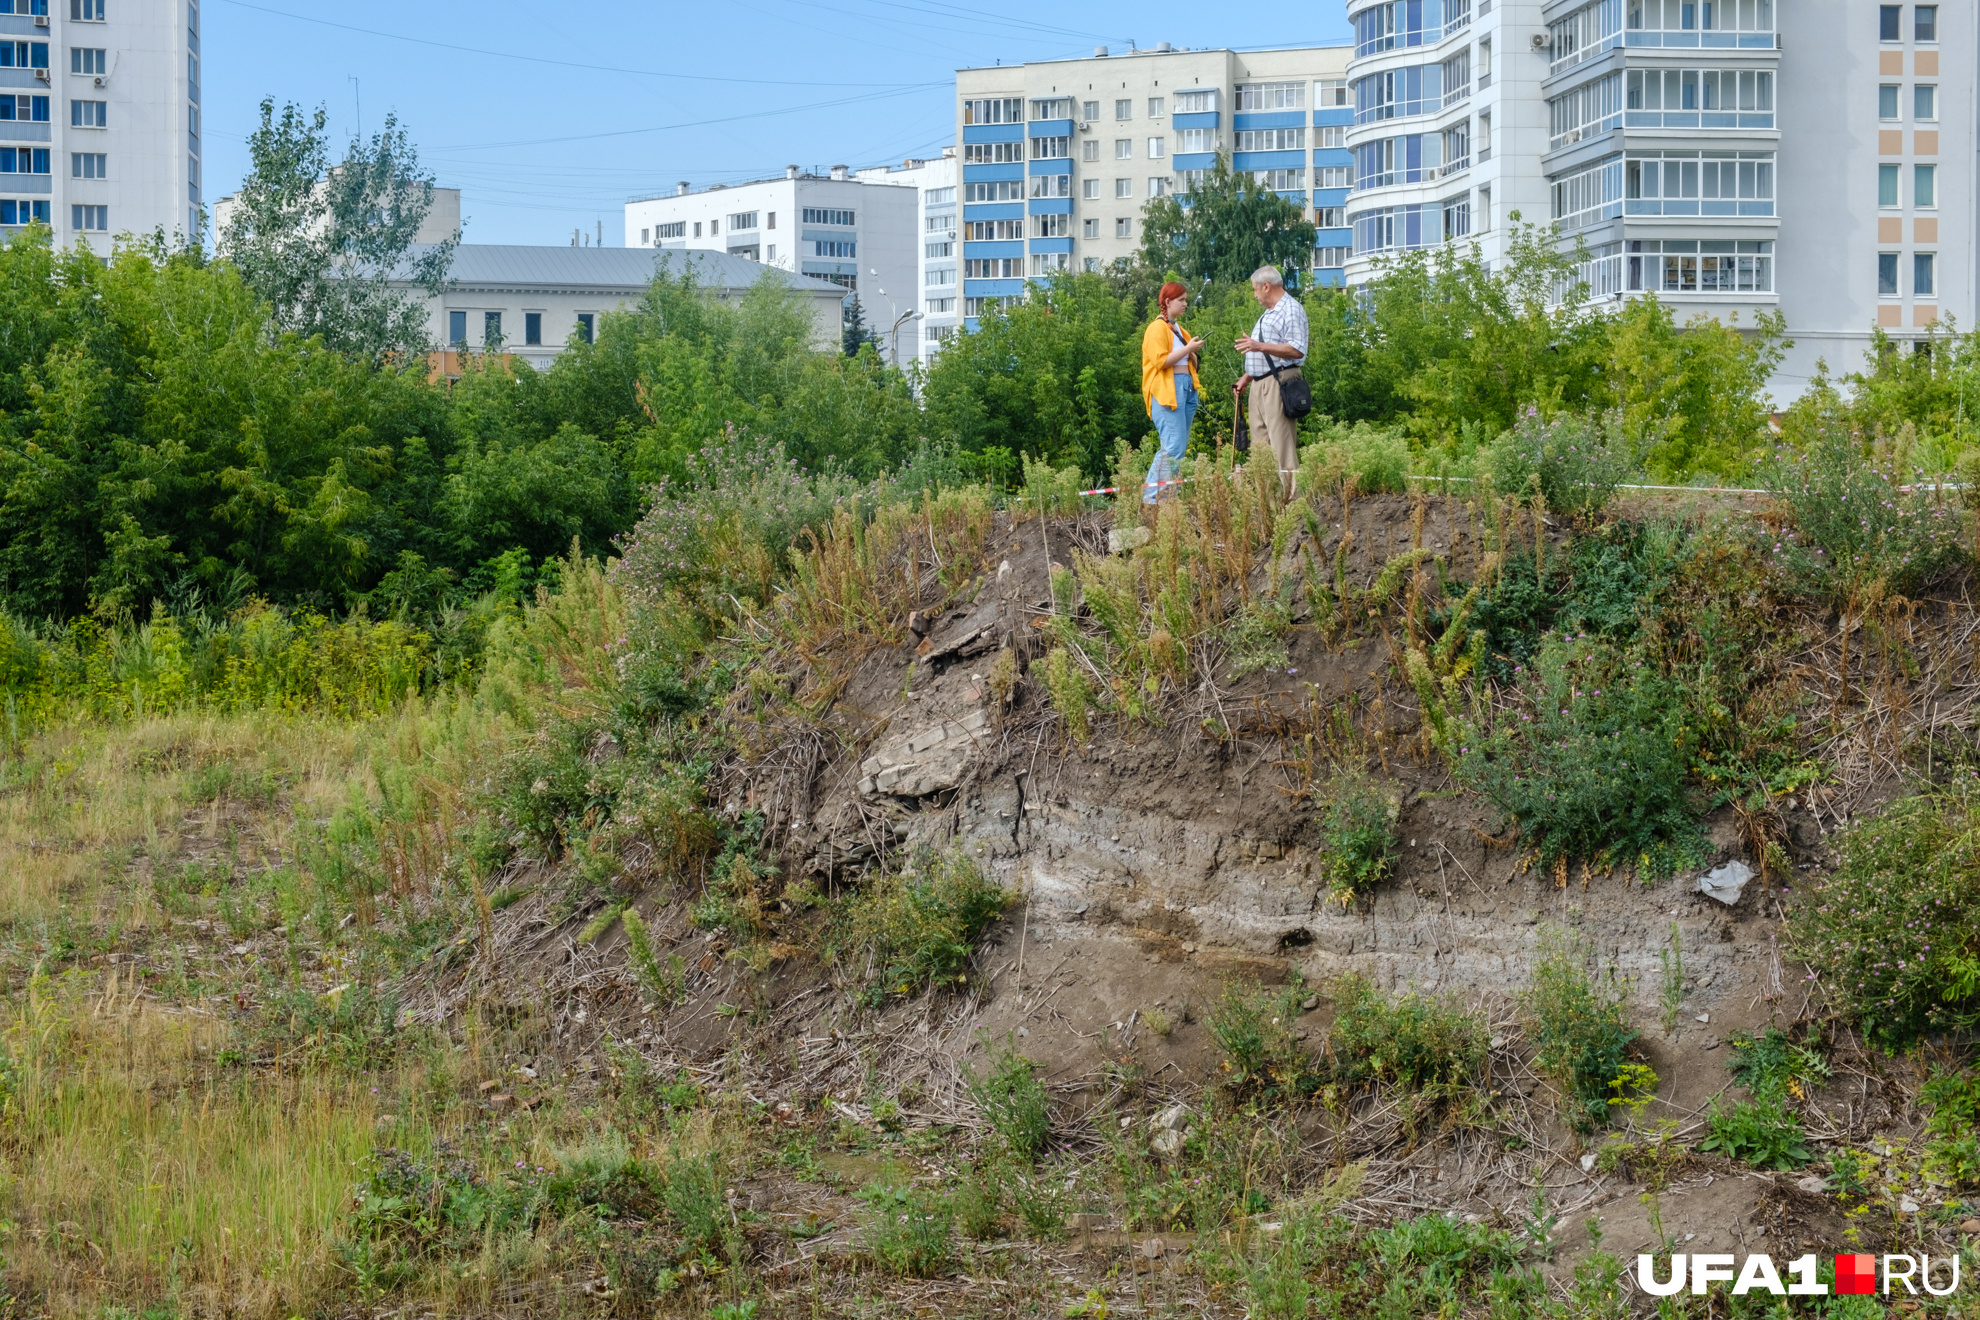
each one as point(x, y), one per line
point(1010, 1096)
point(1069, 691)
point(1374, 458)
point(1952, 1133)
point(1772, 1061)
point(1411, 1042)
point(692, 1196)
point(1855, 522)
point(357, 1028)
point(919, 927)
point(910, 1230)
point(1589, 756)
point(1581, 1040)
point(1358, 832)
point(1762, 1132)
point(1895, 931)
point(1253, 1027)
point(1578, 460)
point(1255, 637)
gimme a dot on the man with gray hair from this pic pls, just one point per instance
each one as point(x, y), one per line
point(1275, 347)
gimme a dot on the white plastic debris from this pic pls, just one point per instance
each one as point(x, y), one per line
point(1726, 883)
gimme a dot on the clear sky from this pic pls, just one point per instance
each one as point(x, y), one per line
point(549, 116)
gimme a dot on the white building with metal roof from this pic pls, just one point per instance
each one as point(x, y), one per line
point(534, 302)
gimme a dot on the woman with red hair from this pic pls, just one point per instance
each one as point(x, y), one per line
point(1170, 395)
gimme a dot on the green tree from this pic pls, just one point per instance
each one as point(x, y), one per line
point(1693, 400)
point(331, 248)
point(1224, 228)
point(1935, 388)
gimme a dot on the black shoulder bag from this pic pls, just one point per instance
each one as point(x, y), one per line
point(1295, 396)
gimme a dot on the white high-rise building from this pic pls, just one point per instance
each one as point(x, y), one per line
point(857, 233)
point(935, 317)
point(1814, 157)
point(100, 118)
point(1059, 157)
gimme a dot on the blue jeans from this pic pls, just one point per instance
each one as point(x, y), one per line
point(1172, 436)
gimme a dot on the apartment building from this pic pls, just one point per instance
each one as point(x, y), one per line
point(938, 317)
point(1729, 156)
point(99, 117)
point(859, 234)
point(1059, 157)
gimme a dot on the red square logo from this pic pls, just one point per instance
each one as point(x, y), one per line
point(1856, 1275)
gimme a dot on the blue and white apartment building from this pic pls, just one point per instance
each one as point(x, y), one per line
point(1814, 157)
point(1058, 158)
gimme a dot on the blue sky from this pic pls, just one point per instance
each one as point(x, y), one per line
point(549, 116)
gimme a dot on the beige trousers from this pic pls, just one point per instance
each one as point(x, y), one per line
point(1271, 426)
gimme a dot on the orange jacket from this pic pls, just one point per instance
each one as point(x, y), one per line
point(1158, 381)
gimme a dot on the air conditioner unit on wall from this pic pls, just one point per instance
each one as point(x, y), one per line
point(1540, 41)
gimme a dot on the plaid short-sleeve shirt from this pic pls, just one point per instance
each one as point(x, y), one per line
point(1283, 324)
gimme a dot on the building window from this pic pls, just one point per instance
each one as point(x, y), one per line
point(84, 59)
point(1089, 228)
point(1332, 176)
point(1925, 22)
point(1157, 107)
point(1002, 190)
point(1595, 194)
point(1921, 275)
point(992, 153)
point(938, 306)
point(1700, 183)
point(533, 328)
point(491, 328)
point(993, 268)
point(1699, 266)
point(23, 212)
point(1158, 185)
point(1123, 187)
point(1123, 148)
point(1090, 189)
point(826, 247)
point(742, 220)
point(89, 114)
point(1333, 138)
point(585, 322)
point(23, 54)
point(1330, 93)
point(1703, 98)
point(1687, 18)
point(1196, 102)
point(994, 110)
point(929, 197)
point(24, 160)
point(1050, 263)
point(1925, 186)
point(1457, 147)
point(1584, 34)
point(94, 218)
point(1890, 21)
point(939, 279)
point(1089, 150)
point(1056, 107)
point(643, 240)
point(82, 11)
point(770, 252)
point(1051, 226)
point(1330, 258)
point(1272, 139)
point(1051, 185)
point(945, 248)
point(1925, 102)
point(1484, 64)
point(1457, 218)
point(1280, 180)
point(771, 221)
point(1190, 141)
point(1091, 265)
point(1271, 96)
point(1887, 101)
point(1484, 209)
point(1188, 181)
point(89, 165)
point(24, 109)
point(819, 215)
point(992, 231)
point(1158, 147)
point(940, 224)
point(1124, 108)
point(457, 328)
point(1329, 217)
point(1051, 148)
point(1089, 110)
point(1887, 274)
point(1592, 108)
point(672, 229)
point(1124, 226)
point(697, 229)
